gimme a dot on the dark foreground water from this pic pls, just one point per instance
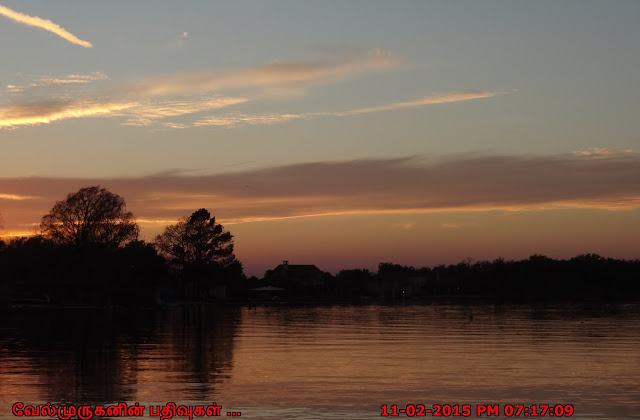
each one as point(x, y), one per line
point(340, 362)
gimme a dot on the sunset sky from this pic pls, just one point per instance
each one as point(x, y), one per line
point(340, 134)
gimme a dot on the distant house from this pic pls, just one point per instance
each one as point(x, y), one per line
point(298, 279)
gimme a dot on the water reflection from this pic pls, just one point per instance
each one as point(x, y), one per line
point(104, 356)
point(327, 362)
point(362, 357)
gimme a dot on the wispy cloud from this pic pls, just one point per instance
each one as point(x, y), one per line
point(278, 76)
point(183, 93)
point(601, 152)
point(15, 197)
point(72, 79)
point(370, 186)
point(235, 119)
point(47, 82)
point(45, 24)
point(139, 113)
point(13, 89)
point(46, 112)
point(175, 126)
point(442, 98)
point(232, 120)
point(166, 100)
point(146, 114)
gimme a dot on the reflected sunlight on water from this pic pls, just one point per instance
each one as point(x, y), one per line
point(327, 362)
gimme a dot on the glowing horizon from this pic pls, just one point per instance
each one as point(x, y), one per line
point(304, 131)
point(415, 188)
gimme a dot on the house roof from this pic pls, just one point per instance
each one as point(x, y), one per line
point(296, 269)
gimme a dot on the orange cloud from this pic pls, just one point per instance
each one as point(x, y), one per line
point(17, 234)
point(15, 197)
point(46, 112)
point(47, 25)
point(601, 152)
point(369, 186)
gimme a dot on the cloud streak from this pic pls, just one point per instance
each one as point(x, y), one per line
point(599, 152)
point(14, 197)
point(71, 80)
point(45, 24)
point(442, 98)
point(137, 114)
point(167, 100)
point(369, 186)
point(233, 120)
point(47, 112)
point(147, 114)
point(275, 77)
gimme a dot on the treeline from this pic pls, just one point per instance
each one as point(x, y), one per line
point(37, 270)
point(88, 254)
point(587, 276)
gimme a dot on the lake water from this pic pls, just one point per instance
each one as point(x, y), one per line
point(329, 362)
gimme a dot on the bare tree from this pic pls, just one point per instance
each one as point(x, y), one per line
point(91, 216)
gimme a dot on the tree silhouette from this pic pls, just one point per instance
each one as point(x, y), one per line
point(196, 241)
point(91, 216)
